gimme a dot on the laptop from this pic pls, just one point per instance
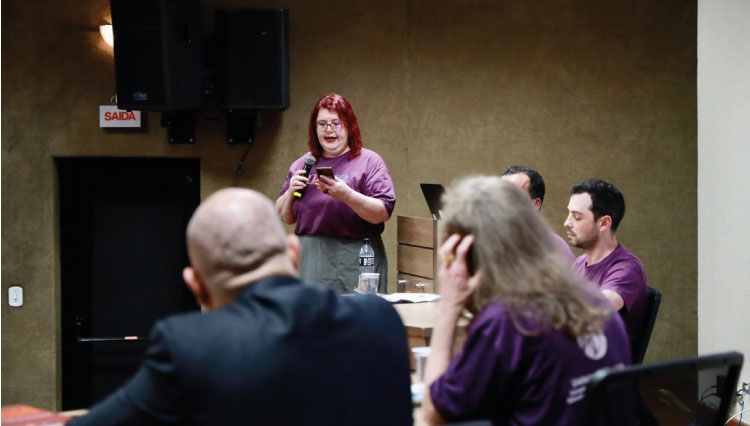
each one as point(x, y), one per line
point(433, 193)
point(695, 391)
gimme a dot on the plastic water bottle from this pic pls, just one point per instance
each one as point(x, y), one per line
point(366, 257)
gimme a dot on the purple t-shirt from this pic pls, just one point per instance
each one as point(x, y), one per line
point(564, 247)
point(513, 379)
point(624, 274)
point(321, 214)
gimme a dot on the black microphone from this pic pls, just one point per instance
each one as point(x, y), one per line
point(309, 161)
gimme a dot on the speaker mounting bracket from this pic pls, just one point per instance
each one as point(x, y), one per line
point(180, 126)
point(241, 125)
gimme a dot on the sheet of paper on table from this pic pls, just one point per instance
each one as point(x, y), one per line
point(410, 297)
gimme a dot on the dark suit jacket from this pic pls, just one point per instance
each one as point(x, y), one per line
point(283, 353)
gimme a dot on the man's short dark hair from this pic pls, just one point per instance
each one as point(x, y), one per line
point(536, 187)
point(606, 199)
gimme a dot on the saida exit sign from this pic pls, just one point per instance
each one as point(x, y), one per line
point(111, 116)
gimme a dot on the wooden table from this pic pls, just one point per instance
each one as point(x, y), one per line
point(419, 319)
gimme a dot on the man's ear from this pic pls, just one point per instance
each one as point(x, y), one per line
point(605, 222)
point(197, 287)
point(293, 250)
point(538, 203)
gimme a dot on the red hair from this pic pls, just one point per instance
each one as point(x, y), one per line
point(340, 106)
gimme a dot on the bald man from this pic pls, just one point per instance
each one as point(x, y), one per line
point(268, 349)
point(532, 183)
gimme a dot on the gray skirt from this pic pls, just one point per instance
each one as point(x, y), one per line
point(335, 261)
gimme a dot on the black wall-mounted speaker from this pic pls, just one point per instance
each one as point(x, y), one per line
point(252, 70)
point(158, 54)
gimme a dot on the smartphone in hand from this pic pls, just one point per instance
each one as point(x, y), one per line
point(471, 261)
point(326, 171)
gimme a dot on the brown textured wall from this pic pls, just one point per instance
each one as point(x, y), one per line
point(441, 88)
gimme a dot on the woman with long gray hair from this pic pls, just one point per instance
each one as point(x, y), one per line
point(537, 331)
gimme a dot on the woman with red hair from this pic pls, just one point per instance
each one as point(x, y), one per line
point(333, 216)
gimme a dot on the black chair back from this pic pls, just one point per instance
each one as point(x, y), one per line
point(653, 301)
point(695, 391)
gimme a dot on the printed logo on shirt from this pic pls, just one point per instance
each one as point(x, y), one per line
point(314, 177)
point(593, 345)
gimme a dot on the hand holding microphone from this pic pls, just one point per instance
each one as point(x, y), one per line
point(298, 181)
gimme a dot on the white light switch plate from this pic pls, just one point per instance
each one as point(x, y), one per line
point(15, 296)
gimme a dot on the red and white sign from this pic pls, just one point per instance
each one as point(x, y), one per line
point(110, 116)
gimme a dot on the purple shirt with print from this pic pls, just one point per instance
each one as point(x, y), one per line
point(624, 274)
point(320, 214)
point(509, 378)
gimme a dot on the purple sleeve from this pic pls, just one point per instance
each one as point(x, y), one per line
point(285, 185)
point(379, 184)
point(564, 248)
point(626, 279)
point(475, 372)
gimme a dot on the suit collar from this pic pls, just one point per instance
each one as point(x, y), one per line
point(266, 284)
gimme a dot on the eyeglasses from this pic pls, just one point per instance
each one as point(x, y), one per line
point(335, 125)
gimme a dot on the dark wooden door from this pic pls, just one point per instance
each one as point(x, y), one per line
point(122, 233)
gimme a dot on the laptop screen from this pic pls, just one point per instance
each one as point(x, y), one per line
point(433, 192)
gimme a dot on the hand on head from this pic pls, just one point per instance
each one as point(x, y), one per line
point(456, 285)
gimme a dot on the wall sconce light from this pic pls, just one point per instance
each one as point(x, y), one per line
point(106, 32)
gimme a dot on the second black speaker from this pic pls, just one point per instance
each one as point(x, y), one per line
point(252, 69)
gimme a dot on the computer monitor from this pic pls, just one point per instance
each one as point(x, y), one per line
point(694, 391)
point(433, 192)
